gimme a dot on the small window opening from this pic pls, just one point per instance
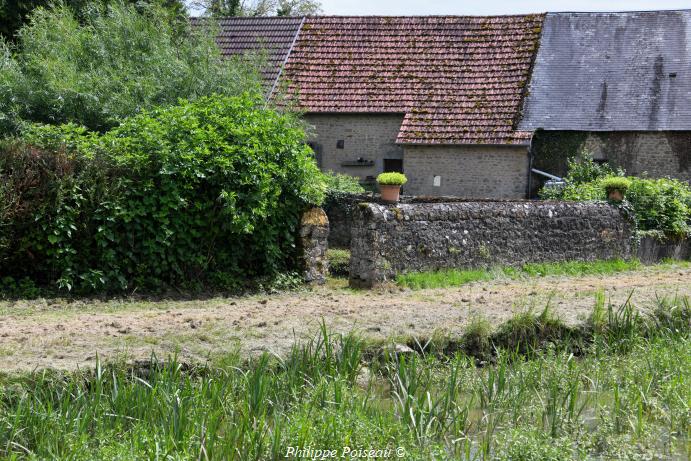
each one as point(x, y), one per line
point(393, 165)
point(340, 144)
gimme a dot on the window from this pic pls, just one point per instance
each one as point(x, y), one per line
point(393, 165)
point(340, 144)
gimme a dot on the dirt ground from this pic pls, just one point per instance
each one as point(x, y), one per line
point(68, 334)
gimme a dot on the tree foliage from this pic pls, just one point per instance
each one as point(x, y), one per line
point(116, 62)
point(16, 13)
point(222, 8)
point(205, 193)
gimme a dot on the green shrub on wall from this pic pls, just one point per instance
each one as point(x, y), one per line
point(662, 207)
point(203, 193)
point(337, 183)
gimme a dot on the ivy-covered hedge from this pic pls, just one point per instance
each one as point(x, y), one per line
point(205, 193)
point(662, 207)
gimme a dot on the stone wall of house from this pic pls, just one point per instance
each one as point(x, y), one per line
point(392, 239)
point(657, 154)
point(370, 137)
point(471, 172)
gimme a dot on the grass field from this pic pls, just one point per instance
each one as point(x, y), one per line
point(532, 389)
point(458, 277)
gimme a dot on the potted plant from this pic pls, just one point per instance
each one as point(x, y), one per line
point(390, 185)
point(616, 187)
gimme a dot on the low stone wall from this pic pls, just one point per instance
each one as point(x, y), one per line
point(391, 239)
point(314, 234)
point(340, 209)
point(650, 250)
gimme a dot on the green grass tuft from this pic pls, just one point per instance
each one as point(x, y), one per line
point(457, 277)
point(442, 278)
point(579, 268)
point(339, 262)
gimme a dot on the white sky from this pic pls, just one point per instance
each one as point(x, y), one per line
point(488, 7)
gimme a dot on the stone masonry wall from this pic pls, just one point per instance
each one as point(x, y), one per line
point(368, 136)
point(314, 235)
point(471, 172)
point(657, 154)
point(392, 239)
point(340, 210)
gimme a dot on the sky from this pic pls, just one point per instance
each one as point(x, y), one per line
point(490, 7)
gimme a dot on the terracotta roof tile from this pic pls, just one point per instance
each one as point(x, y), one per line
point(274, 35)
point(458, 80)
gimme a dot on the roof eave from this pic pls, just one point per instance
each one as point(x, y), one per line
point(464, 144)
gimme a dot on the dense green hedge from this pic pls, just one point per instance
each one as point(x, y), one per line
point(203, 193)
point(662, 207)
point(101, 64)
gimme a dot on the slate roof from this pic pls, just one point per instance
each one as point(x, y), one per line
point(457, 80)
point(275, 35)
point(612, 72)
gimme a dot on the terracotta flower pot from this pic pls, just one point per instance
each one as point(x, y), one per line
point(390, 193)
point(615, 195)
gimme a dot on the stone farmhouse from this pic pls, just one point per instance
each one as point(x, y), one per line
point(467, 106)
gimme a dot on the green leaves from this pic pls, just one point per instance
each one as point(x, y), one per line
point(660, 206)
point(392, 179)
point(172, 197)
point(111, 63)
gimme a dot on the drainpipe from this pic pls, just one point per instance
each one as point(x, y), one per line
point(530, 167)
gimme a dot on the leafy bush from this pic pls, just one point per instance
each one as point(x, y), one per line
point(203, 193)
point(337, 183)
point(339, 262)
point(110, 64)
point(582, 169)
point(24, 288)
point(392, 179)
point(612, 183)
point(660, 206)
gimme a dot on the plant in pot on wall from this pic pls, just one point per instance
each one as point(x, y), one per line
point(616, 187)
point(390, 185)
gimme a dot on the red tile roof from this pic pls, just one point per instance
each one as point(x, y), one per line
point(273, 35)
point(458, 80)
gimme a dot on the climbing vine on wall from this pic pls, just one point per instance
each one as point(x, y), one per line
point(551, 149)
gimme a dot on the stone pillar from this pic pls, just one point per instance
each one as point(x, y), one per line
point(314, 235)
